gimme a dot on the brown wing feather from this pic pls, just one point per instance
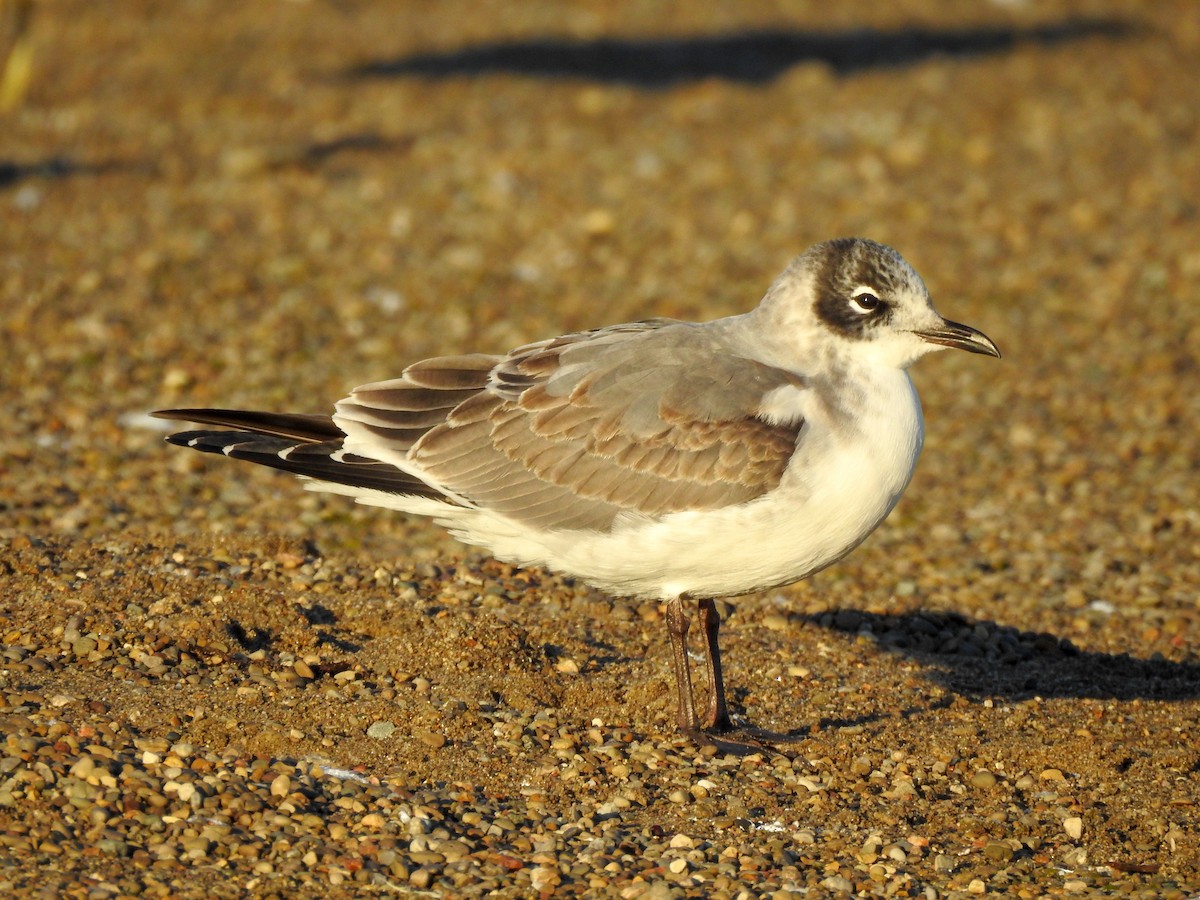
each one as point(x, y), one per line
point(573, 432)
point(400, 412)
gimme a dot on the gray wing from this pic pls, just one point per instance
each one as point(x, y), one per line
point(650, 418)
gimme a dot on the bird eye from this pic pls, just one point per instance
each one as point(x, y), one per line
point(865, 302)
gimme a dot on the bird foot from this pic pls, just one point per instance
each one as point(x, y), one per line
point(729, 740)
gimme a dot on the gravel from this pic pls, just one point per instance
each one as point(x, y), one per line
point(215, 684)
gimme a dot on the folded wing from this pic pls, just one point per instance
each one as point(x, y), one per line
point(642, 419)
point(572, 433)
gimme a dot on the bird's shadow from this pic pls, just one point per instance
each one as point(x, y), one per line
point(755, 56)
point(979, 659)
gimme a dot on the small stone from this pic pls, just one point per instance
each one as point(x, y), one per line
point(1075, 858)
point(983, 779)
point(599, 222)
point(430, 738)
point(544, 878)
point(196, 846)
point(453, 850)
point(112, 847)
point(380, 730)
point(775, 622)
point(998, 852)
point(1073, 826)
point(421, 878)
point(281, 786)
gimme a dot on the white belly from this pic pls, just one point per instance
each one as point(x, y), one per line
point(851, 468)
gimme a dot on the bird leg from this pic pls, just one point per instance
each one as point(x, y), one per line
point(717, 718)
point(677, 627)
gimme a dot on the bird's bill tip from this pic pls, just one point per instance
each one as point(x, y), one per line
point(961, 337)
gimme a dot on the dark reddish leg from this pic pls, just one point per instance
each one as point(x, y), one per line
point(677, 627)
point(717, 718)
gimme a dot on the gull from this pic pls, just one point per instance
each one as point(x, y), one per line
point(660, 460)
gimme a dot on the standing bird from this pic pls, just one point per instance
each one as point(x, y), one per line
point(659, 460)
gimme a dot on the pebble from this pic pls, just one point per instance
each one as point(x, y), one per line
point(380, 730)
point(838, 884)
point(303, 669)
point(432, 739)
point(983, 779)
point(998, 852)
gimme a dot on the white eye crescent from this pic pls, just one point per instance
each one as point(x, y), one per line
point(864, 300)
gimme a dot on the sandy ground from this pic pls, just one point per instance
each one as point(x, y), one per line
point(215, 683)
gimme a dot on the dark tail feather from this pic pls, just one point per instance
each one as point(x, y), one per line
point(321, 460)
point(294, 426)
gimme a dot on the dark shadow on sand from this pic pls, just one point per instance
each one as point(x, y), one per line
point(977, 659)
point(255, 160)
point(750, 57)
point(55, 168)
